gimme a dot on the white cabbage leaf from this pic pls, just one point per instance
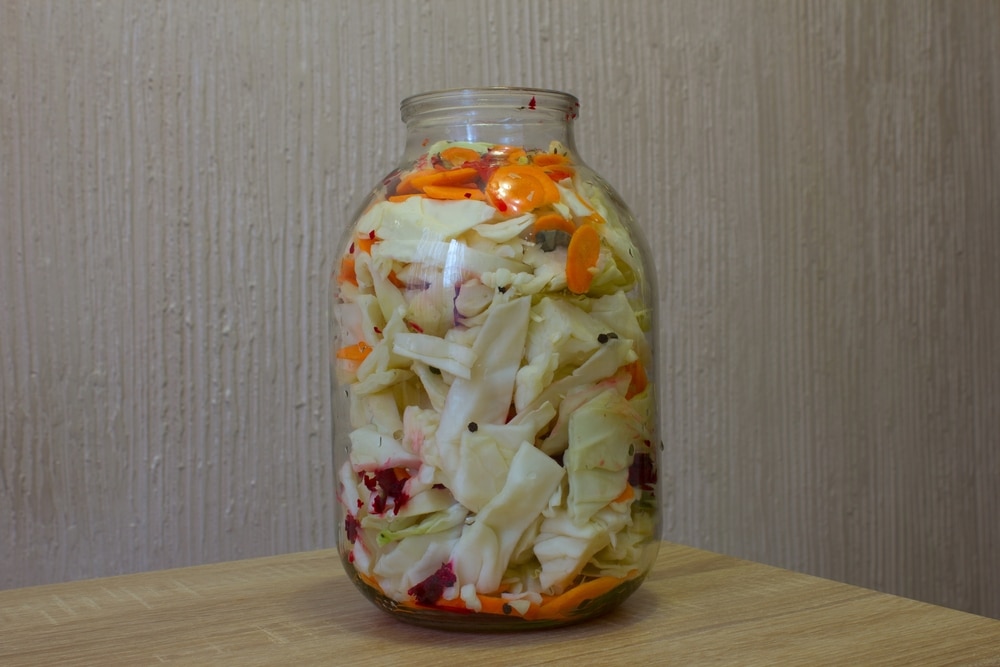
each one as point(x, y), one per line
point(604, 434)
point(484, 550)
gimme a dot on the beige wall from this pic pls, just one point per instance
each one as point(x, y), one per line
point(820, 182)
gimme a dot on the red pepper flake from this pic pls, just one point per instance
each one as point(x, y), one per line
point(501, 206)
point(416, 327)
point(430, 590)
point(371, 235)
point(468, 195)
point(351, 249)
point(531, 104)
point(377, 330)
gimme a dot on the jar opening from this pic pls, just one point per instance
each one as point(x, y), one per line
point(509, 102)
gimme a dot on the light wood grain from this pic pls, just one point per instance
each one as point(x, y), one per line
point(698, 608)
point(818, 181)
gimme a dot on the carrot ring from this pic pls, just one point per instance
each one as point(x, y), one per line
point(581, 257)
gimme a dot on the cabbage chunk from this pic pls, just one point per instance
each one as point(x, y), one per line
point(604, 434)
point(485, 547)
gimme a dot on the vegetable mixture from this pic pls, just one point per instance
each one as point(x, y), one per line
point(491, 345)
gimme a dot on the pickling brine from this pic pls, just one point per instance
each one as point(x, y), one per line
point(496, 444)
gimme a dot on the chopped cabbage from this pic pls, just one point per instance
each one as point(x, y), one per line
point(485, 547)
point(381, 380)
point(604, 434)
point(491, 438)
point(409, 561)
point(559, 327)
point(433, 383)
point(484, 456)
point(608, 358)
point(485, 396)
point(437, 522)
point(371, 450)
point(438, 352)
point(564, 546)
point(453, 257)
point(421, 218)
point(378, 409)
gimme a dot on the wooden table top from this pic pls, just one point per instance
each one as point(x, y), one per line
point(696, 608)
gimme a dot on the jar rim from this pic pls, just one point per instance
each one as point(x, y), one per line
point(512, 97)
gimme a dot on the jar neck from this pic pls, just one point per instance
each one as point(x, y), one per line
point(524, 117)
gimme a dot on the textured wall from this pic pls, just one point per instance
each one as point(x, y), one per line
point(819, 182)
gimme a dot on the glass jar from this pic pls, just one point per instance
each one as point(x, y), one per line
point(495, 430)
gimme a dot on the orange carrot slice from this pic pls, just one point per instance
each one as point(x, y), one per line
point(347, 273)
point(548, 159)
point(626, 495)
point(561, 606)
point(406, 186)
point(492, 605)
point(364, 243)
point(581, 256)
point(592, 219)
point(456, 176)
point(357, 352)
point(517, 156)
point(457, 155)
point(559, 173)
point(553, 221)
point(454, 192)
point(394, 279)
point(639, 380)
point(515, 188)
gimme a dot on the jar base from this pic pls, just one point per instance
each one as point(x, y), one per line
point(465, 620)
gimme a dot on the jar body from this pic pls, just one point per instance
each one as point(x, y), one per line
point(494, 385)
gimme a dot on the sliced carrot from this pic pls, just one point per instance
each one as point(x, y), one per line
point(561, 606)
point(347, 273)
point(517, 156)
point(627, 494)
point(456, 176)
point(454, 192)
point(559, 173)
point(639, 380)
point(493, 605)
point(357, 352)
point(369, 580)
point(365, 242)
point(592, 219)
point(456, 605)
point(553, 221)
point(581, 256)
point(515, 188)
point(457, 155)
point(394, 279)
point(398, 198)
point(548, 159)
point(406, 186)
